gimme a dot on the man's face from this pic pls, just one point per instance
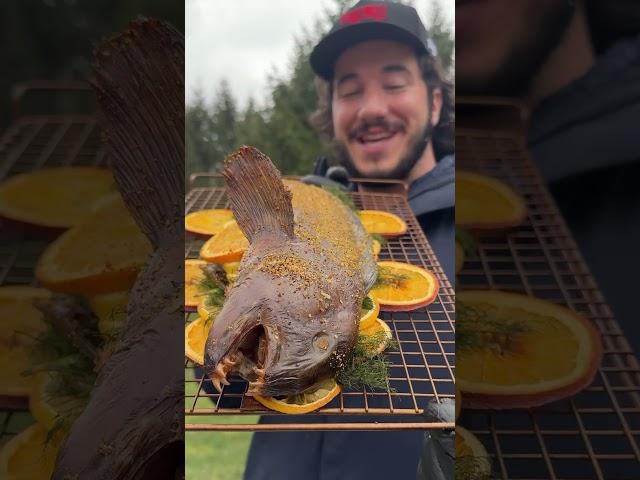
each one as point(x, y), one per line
point(500, 44)
point(380, 109)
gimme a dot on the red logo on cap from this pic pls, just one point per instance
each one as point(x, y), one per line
point(368, 12)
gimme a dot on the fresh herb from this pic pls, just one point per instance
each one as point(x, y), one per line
point(364, 370)
point(478, 330)
point(390, 278)
point(367, 303)
point(471, 468)
point(213, 285)
point(342, 196)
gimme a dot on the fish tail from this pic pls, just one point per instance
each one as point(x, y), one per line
point(259, 199)
point(138, 78)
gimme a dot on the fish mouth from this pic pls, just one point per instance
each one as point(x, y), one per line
point(247, 357)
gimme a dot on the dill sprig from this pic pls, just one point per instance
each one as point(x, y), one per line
point(213, 285)
point(390, 278)
point(341, 195)
point(367, 303)
point(364, 370)
point(478, 329)
point(471, 468)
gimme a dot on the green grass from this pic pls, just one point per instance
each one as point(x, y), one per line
point(215, 455)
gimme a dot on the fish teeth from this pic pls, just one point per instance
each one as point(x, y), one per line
point(254, 388)
point(228, 362)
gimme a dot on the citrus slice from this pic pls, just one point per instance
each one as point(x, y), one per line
point(484, 203)
point(231, 269)
point(381, 328)
point(472, 459)
point(382, 223)
point(227, 246)
point(102, 254)
point(376, 247)
point(206, 311)
point(459, 257)
point(368, 316)
point(20, 322)
point(401, 286)
point(30, 455)
point(23, 292)
point(518, 351)
point(325, 391)
point(54, 197)
point(111, 310)
point(46, 406)
point(195, 337)
point(207, 222)
point(192, 278)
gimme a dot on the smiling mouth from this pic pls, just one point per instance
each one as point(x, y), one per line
point(247, 359)
point(375, 138)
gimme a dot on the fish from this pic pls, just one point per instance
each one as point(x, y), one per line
point(291, 318)
point(133, 424)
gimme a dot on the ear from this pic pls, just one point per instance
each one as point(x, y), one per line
point(436, 105)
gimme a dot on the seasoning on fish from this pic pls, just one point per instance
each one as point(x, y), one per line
point(291, 318)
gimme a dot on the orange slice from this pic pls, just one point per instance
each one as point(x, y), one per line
point(472, 459)
point(459, 257)
point(484, 203)
point(102, 254)
point(375, 248)
point(518, 351)
point(54, 197)
point(24, 293)
point(231, 269)
point(207, 222)
point(304, 402)
point(382, 223)
point(401, 286)
point(20, 321)
point(111, 310)
point(227, 246)
point(379, 327)
point(30, 455)
point(192, 277)
point(47, 407)
point(207, 311)
point(368, 316)
point(195, 337)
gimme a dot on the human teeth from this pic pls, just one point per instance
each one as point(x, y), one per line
point(377, 137)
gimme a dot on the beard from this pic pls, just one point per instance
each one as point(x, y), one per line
point(416, 147)
point(528, 53)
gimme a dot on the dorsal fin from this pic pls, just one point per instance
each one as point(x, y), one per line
point(259, 200)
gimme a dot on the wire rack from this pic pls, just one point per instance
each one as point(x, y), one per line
point(595, 434)
point(422, 366)
point(30, 143)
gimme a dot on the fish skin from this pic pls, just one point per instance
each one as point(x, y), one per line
point(300, 283)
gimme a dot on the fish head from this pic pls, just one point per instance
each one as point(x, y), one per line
point(284, 333)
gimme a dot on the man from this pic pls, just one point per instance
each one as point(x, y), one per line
point(576, 66)
point(389, 113)
point(387, 110)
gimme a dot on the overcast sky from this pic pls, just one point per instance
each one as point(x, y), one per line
point(246, 40)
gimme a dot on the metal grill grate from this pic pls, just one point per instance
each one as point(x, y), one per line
point(30, 143)
point(595, 434)
point(423, 365)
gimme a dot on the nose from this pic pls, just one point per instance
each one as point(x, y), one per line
point(373, 106)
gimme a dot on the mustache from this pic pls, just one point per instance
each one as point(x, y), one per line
point(362, 127)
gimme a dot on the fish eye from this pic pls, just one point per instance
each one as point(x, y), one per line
point(321, 342)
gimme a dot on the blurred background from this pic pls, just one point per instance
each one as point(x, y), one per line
point(248, 80)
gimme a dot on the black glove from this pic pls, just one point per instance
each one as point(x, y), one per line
point(438, 457)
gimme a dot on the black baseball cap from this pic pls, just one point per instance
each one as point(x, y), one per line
point(370, 20)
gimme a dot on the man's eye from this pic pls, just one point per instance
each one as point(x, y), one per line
point(394, 86)
point(349, 92)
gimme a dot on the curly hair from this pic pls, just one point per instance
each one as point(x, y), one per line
point(443, 140)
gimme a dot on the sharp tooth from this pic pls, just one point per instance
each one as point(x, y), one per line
point(228, 362)
point(220, 371)
point(216, 383)
point(254, 388)
point(259, 371)
point(225, 382)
